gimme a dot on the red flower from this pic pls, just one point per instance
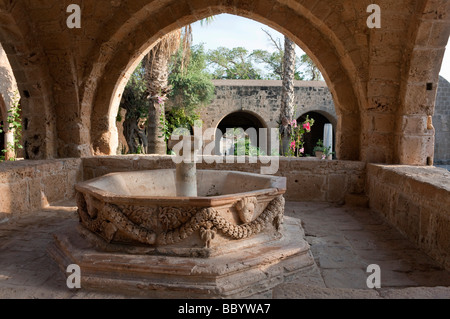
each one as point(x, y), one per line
point(307, 126)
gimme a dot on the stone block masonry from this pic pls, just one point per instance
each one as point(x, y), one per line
point(416, 201)
point(27, 186)
point(263, 99)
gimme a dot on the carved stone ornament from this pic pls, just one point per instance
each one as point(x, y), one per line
point(170, 225)
point(246, 209)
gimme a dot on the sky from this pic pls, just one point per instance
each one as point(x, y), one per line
point(234, 31)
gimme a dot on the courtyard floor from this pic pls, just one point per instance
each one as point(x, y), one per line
point(344, 242)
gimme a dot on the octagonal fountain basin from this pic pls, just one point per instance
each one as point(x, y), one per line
point(142, 209)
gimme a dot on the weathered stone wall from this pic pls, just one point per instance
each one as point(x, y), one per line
point(27, 186)
point(441, 122)
point(416, 200)
point(263, 99)
point(307, 179)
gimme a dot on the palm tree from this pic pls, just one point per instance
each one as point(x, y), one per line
point(287, 97)
point(156, 65)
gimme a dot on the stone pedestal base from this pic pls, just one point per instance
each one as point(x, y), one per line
point(247, 272)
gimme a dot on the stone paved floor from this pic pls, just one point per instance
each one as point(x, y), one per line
point(344, 241)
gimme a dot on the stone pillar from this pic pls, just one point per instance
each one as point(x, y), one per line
point(9, 140)
point(415, 143)
point(328, 138)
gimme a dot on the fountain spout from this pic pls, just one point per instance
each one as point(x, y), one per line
point(186, 167)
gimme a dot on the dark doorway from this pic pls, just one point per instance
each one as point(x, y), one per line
point(243, 120)
point(316, 131)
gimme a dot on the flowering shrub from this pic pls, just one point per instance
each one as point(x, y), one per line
point(297, 132)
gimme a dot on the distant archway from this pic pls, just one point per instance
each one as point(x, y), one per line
point(111, 67)
point(316, 133)
point(244, 120)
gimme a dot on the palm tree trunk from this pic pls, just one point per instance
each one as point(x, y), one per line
point(157, 79)
point(287, 97)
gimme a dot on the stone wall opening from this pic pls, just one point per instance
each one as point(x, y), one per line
point(317, 130)
point(71, 80)
point(107, 99)
point(238, 120)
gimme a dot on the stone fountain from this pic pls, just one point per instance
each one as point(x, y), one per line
point(183, 233)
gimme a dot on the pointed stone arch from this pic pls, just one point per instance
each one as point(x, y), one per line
point(315, 38)
point(29, 65)
point(429, 35)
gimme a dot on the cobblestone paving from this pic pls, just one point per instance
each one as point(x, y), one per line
point(344, 241)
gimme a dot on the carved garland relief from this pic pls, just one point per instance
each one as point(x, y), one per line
point(138, 224)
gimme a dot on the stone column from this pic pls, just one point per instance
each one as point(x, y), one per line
point(9, 140)
point(328, 138)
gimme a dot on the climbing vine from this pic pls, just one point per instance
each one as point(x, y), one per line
point(14, 124)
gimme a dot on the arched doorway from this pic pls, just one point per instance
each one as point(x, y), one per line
point(317, 129)
point(103, 105)
point(332, 42)
point(238, 120)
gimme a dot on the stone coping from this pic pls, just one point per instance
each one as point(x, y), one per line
point(434, 180)
point(268, 83)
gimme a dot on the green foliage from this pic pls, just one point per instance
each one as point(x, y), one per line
point(273, 62)
point(250, 150)
point(233, 64)
point(319, 146)
point(297, 132)
point(310, 70)
point(175, 119)
point(191, 86)
point(14, 121)
point(134, 98)
point(243, 146)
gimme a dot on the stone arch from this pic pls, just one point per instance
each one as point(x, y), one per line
point(429, 34)
point(302, 22)
point(29, 65)
point(240, 119)
point(321, 118)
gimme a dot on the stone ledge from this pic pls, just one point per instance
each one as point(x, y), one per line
point(416, 201)
point(308, 179)
point(27, 186)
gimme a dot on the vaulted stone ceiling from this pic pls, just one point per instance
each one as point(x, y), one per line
point(383, 80)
